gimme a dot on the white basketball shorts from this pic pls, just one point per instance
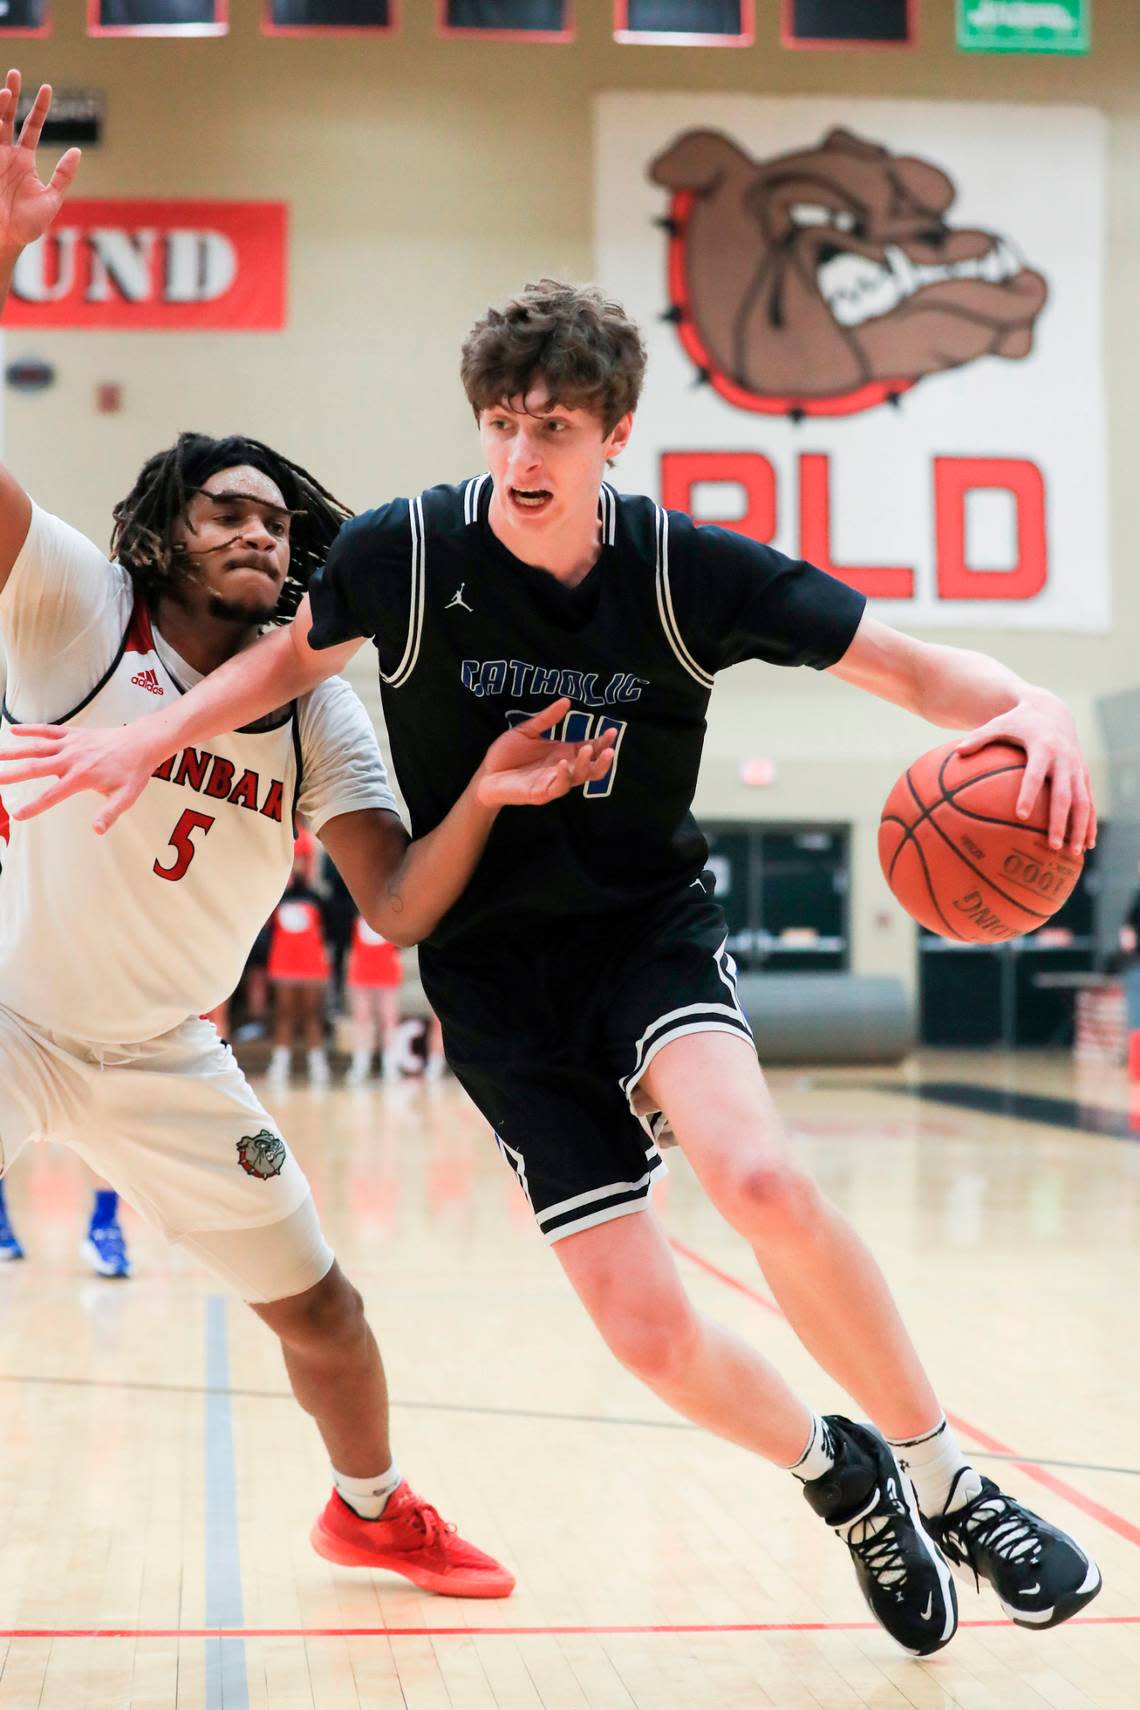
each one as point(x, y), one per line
point(174, 1126)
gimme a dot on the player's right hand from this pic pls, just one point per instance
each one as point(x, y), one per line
point(528, 766)
point(27, 206)
point(115, 763)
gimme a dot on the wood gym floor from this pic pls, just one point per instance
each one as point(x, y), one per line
point(158, 1484)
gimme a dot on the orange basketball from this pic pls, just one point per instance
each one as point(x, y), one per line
point(958, 858)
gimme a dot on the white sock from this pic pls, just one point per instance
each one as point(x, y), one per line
point(819, 1455)
point(280, 1060)
point(367, 1497)
point(932, 1462)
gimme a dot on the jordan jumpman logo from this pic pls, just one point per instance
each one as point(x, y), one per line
point(458, 600)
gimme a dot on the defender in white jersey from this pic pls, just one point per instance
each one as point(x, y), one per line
point(110, 951)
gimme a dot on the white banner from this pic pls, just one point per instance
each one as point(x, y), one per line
point(875, 339)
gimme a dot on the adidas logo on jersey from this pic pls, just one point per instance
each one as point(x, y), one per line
point(148, 680)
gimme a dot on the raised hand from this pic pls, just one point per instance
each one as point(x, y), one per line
point(27, 206)
point(115, 763)
point(526, 768)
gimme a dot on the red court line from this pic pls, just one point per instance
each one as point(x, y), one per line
point(1059, 1486)
point(699, 1259)
point(497, 1632)
point(1115, 1522)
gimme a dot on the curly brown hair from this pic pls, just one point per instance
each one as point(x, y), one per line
point(583, 348)
point(142, 539)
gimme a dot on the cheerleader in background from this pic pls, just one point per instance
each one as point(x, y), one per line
point(299, 972)
point(375, 974)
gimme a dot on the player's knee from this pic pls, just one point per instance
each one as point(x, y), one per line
point(654, 1341)
point(770, 1200)
point(327, 1319)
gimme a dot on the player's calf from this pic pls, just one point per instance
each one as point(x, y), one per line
point(370, 1520)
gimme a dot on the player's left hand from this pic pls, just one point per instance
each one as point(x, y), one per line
point(1043, 725)
point(526, 768)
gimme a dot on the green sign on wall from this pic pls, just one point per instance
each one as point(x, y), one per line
point(1024, 26)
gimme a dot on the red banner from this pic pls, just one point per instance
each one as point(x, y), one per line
point(169, 266)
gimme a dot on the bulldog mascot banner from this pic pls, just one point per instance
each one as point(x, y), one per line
point(875, 340)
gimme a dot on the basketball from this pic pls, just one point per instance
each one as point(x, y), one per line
point(958, 858)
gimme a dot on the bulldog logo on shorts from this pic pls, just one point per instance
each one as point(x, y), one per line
point(829, 280)
point(262, 1155)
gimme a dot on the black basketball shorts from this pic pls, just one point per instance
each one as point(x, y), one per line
point(551, 1035)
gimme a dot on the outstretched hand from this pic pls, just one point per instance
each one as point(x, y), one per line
point(115, 763)
point(526, 767)
point(28, 206)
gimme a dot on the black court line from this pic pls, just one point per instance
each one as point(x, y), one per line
point(546, 1416)
point(1025, 1107)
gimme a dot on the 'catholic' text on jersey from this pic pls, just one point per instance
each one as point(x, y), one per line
point(470, 638)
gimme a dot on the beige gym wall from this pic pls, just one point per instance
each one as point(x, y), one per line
point(427, 178)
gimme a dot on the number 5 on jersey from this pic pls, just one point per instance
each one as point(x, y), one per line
point(181, 841)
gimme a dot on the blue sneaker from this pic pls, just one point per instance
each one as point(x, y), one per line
point(10, 1247)
point(106, 1251)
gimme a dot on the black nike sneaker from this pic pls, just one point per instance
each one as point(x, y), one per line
point(867, 1500)
point(1040, 1575)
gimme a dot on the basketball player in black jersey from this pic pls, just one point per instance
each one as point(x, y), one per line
point(582, 979)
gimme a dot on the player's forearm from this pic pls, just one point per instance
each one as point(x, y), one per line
point(434, 872)
point(960, 689)
point(261, 678)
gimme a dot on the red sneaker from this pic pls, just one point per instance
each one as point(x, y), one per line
point(409, 1538)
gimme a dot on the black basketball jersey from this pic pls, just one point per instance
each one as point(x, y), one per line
point(471, 639)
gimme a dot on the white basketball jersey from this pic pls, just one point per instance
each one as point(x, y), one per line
point(118, 939)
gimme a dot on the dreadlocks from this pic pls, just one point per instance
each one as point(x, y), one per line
point(143, 535)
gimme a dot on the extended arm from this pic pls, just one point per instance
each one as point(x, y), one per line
point(27, 209)
point(963, 690)
point(117, 763)
point(403, 888)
